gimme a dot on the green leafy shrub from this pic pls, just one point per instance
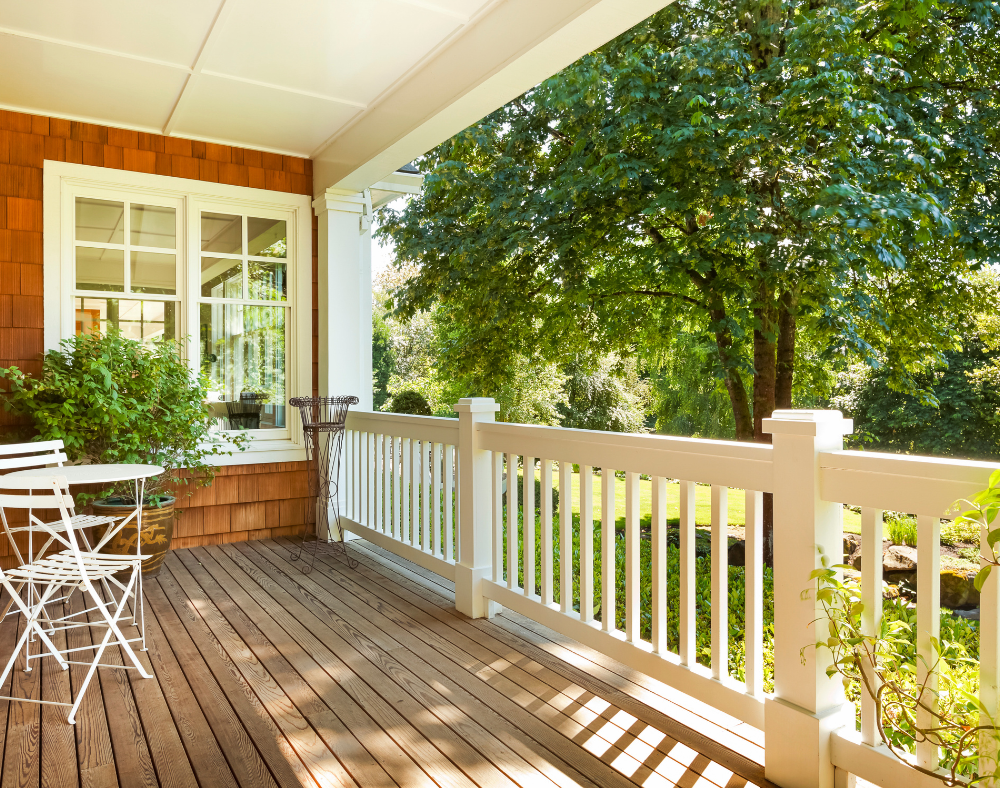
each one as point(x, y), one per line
point(538, 496)
point(410, 402)
point(115, 400)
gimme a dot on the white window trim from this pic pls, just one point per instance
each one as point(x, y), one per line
point(60, 180)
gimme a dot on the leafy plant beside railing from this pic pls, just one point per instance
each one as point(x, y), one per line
point(909, 711)
point(981, 511)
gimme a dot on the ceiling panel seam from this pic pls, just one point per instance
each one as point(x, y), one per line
point(89, 48)
point(284, 89)
point(210, 38)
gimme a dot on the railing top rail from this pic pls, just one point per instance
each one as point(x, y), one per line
point(744, 465)
point(430, 428)
point(900, 482)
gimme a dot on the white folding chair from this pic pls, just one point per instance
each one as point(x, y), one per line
point(71, 569)
point(43, 454)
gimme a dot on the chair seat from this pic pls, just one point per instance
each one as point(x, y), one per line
point(79, 521)
point(63, 567)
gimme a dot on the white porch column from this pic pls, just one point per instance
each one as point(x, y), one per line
point(345, 295)
point(807, 705)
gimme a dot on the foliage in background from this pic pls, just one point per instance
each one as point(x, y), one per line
point(383, 358)
point(114, 400)
point(409, 402)
point(609, 394)
point(746, 167)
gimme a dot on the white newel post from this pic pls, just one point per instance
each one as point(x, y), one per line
point(475, 537)
point(807, 706)
point(344, 280)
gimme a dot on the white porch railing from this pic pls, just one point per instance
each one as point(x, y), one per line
point(431, 490)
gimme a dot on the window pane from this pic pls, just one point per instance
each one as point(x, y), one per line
point(142, 320)
point(154, 273)
point(153, 225)
point(266, 281)
point(221, 278)
point(100, 269)
point(265, 237)
point(221, 233)
point(100, 220)
point(243, 350)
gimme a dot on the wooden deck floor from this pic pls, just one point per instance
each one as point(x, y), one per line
point(366, 676)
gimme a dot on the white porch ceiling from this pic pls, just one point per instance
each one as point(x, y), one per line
point(358, 85)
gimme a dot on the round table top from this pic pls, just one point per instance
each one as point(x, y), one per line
point(95, 474)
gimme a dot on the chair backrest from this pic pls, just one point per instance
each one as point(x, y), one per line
point(45, 492)
point(41, 454)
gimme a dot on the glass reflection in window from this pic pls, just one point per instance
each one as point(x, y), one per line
point(221, 277)
point(100, 269)
point(153, 272)
point(243, 350)
point(266, 237)
point(102, 221)
point(221, 233)
point(145, 321)
point(266, 281)
point(153, 225)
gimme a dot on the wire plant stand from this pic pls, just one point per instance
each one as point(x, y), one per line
point(323, 426)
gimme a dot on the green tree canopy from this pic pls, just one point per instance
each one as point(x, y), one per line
point(751, 168)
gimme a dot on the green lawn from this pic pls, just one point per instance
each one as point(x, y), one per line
point(703, 503)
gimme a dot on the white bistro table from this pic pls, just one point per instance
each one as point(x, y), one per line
point(108, 474)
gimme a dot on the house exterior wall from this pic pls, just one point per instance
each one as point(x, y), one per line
point(246, 501)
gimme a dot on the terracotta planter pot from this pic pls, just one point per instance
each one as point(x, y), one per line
point(157, 531)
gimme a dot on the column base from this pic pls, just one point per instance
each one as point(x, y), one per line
point(469, 597)
point(798, 743)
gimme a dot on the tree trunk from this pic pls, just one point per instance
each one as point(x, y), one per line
point(764, 390)
point(785, 369)
point(734, 383)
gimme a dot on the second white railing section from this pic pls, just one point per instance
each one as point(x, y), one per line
point(405, 492)
point(722, 465)
point(400, 475)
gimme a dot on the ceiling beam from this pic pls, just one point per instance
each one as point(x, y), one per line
point(511, 48)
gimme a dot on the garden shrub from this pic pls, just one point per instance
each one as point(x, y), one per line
point(411, 403)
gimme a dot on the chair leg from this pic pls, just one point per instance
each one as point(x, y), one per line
point(112, 621)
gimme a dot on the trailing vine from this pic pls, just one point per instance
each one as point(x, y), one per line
point(954, 717)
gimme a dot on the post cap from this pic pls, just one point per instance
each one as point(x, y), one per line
point(476, 405)
point(808, 422)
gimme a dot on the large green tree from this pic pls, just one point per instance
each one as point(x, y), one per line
point(745, 166)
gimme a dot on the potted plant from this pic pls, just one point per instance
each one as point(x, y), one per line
point(116, 400)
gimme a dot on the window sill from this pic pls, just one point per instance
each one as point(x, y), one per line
point(262, 451)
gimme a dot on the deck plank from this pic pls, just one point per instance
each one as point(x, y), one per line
point(308, 724)
point(350, 675)
point(352, 718)
point(483, 725)
point(315, 638)
point(568, 709)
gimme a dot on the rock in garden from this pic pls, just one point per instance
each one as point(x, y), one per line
point(899, 558)
point(957, 589)
point(738, 554)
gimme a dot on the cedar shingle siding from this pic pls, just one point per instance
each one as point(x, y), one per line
point(246, 501)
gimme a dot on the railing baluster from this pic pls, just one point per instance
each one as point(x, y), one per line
point(425, 495)
point(498, 559)
point(397, 495)
point(989, 655)
point(754, 593)
point(415, 466)
point(586, 543)
point(632, 557)
point(720, 581)
point(512, 521)
point(347, 500)
point(871, 615)
point(377, 482)
point(386, 484)
point(688, 613)
point(528, 525)
point(404, 495)
point(565, 536)
point(658, 576)
point(366, 464)
point(608, 551)
point(436, 499)
point(928, 626)
point(449, 481)
point(546, 532)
